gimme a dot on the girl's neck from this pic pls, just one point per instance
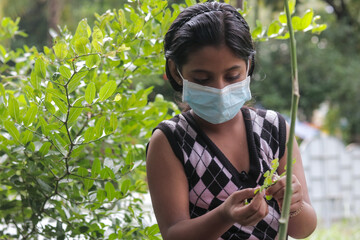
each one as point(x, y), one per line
point(219, 128)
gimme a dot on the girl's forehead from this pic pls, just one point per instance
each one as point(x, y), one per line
point(210, 57)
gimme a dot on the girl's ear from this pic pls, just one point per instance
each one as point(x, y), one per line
point(174, 72)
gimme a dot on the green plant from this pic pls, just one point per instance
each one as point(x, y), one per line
point(271, 177)
point(74, 128)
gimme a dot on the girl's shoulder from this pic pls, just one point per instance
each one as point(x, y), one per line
point(268, 127)
point(260, 115)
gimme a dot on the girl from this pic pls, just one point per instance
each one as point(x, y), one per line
point(204, 163)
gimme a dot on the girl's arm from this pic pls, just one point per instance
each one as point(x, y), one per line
point(170, 198)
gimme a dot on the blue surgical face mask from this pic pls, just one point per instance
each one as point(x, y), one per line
point(216, 105)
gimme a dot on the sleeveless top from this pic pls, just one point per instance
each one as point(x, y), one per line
point(212, 177)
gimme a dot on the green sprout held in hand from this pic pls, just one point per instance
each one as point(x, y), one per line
point(271, 177)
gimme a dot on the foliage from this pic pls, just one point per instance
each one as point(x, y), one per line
point(73, 127)
point(278, 28)
point(271, 177)
point(327, 63)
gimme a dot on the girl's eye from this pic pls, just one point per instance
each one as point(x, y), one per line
point(233, 77)
point(201, 80)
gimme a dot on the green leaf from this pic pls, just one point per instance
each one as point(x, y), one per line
point(56, 93)
point(2, 51)
point(12, 130)
point(30, 115)
point(274, 29)
point(190, 2)
point(44, 126)
point(75, 111)
point(82, 30)
point(29, 92)
point(90, 92)
point(92, 60)
point(40, 68)
point(89, 134)
point(61, 105)
point(125, 186)
point(61, 50)
point(319, 28)
point(113, 122)
point(80, 46)
point(110, 191)
point(101, 195)
point(96, 168)
point(307, 19)
point(99, 126)
point(75, 81)
point(27, 137)
point(282, 18)
point(82, 172)
point(113, 236)
point(107, 90)
point(44, 186)
point(83, 229)
point(45, 148)
point(285, 36)
point(2, 92)
point(296, 22)
point(117, 97)
point(65, 72)
point(97, 39)
point(49, 107)
point(268, 197)
point(30, 146)
point(258, 31)
point(14, 109)
point(88, 183)
point(59, 139)
point(106, 173)
point(55, 76)
point(152, 230)
point(292, 4)
point(59, 143)
point(35, 79)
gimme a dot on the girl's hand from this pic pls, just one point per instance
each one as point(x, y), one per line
point(277, 191)
point(235, 210)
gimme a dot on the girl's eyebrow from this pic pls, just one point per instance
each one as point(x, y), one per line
point(206, 71)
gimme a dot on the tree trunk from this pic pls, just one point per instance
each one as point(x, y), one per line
point(239, 4)
point(54, 14)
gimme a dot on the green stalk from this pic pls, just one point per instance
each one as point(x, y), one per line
point(294, 105)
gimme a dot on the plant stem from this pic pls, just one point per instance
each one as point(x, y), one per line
point(294, 106)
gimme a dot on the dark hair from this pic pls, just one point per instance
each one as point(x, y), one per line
point(205, 24)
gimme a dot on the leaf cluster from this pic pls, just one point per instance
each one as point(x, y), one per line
point(278, 28)
point(74, 127)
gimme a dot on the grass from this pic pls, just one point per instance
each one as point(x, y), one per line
point(344, 230)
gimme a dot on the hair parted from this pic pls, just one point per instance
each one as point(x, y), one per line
point(207, 24)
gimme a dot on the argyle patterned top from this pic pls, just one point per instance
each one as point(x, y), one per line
point(212, 177)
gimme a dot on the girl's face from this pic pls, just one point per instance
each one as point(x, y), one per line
point(214, 67)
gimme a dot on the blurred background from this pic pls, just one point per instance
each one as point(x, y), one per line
point(328, 127)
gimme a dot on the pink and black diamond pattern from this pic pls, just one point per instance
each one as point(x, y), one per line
point(211, 176)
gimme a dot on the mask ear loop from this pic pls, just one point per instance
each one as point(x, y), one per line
point(248, 67)
point(177, 69)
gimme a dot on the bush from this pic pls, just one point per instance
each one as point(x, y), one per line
point(74, 128)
